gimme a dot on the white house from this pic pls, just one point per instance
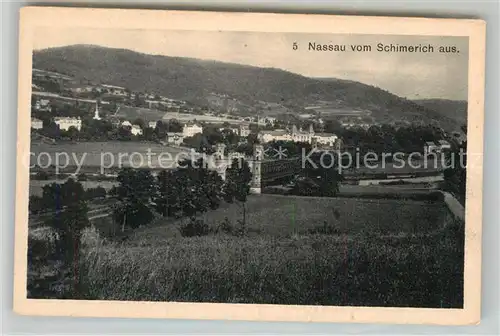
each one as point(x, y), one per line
point(276, 135)
point(175, 138)
point(136, 130)
point(152, 124)
point(43, 105)
point(327, 139)
point(126, 123)
point(115, 90)
point(36, 123)
point(444, 145)
point(191, 129)
point(244, 131)
point(65, 123)
point(298, 135)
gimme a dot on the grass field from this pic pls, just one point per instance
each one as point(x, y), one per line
point(383, 254)
point(132, 113)
point(283, 216)
point(186, 117)
point(94, 154)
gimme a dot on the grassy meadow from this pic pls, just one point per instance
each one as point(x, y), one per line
point(283, 216)
point(382, 253)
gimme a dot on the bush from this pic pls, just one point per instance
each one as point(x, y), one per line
point(225, 226)
point(39, 249)
point(195, 227)
point(326, 228)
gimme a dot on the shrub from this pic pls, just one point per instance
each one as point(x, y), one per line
point(326, 228)
point(39, 249)
point(195, 227)
point(225, 226)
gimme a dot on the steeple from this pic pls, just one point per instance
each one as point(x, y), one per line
point(96, 112)
point(294, 129)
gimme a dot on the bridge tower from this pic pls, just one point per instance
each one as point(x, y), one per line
point(258, 155)
point(220, 160)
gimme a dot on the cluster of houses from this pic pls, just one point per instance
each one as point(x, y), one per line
point(299, 135)
point(64, 123)
point(192, 128)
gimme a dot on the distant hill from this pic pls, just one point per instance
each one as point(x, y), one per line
point(455, 109)
point(195, 80)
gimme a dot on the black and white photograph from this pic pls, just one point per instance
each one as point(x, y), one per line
point(248, 167)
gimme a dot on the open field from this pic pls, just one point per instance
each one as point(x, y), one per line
point(338, 112)
point(279, 262)
point(186, 117)
point(132, 113)
point(282, 216)
point(95, 154)
point(382, 254)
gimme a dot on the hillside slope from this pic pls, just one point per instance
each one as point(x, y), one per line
point(455, 109)
point(195, 80)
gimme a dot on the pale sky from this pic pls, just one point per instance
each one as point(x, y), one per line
point(410, 75)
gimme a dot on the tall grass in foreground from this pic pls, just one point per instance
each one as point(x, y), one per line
point(313, 269)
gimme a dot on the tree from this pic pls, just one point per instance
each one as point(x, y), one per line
point(188, 190)
point(168, 200)
point(334, 126)
point(160, 130)
point(455, 176)
point(174, 126)
point(237, 185)
point(305, 187)
point(200, 143)
point(253, 139)
point(68, 203)
point(140, 122)
point(134, 192)
point(213, 135)
point(229, 137)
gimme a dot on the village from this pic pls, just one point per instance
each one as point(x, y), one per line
point(72, 107)
point(276, 176)
point(133, 113)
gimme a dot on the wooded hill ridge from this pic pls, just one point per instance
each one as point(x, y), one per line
point(193, 79)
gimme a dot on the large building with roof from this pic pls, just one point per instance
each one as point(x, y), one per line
point(191, 129)
point(299, 135)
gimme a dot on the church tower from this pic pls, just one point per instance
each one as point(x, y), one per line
point(220, 161)
point(258, 156)
point(311, 129)
point(96, 112)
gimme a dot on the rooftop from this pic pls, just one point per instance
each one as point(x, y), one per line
point(275, 132)
point(325, 135)
point(112, 86)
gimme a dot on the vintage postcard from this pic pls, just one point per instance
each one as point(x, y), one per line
point(249, 166)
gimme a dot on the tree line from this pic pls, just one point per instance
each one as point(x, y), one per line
point(386, 138)
point(140, 197)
